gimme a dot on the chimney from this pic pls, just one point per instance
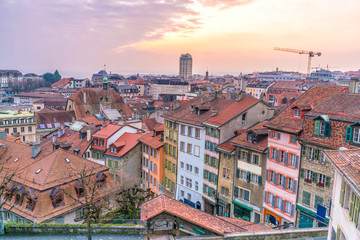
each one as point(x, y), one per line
point(214, 113)
point(84, 96)
point(154, 133)
point(35, 149)
point(175, 104)
point(353, 85)
point(3, 135)
point(88, 135)
point(263, 97)
point(239, 97)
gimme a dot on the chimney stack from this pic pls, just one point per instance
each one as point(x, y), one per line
point(353, 85)
point(35, 149)
point(88, 135)
point(175, 104)
point(263, 97)
point(239, 97)
point(84, 96)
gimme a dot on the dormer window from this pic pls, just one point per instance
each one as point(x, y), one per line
point(297, 113)
point(95, 141)
point(353, 133)
point(322, 126)
point(79, 188)
point(31, 200)
point(356, 138)
point(57, 197)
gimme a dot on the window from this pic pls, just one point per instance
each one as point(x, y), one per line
point(190, 131)
point(182, 180)
point(292, 139)
point(311, 153)
point(306, 198)
point(320, 180)
point(182, 130)
point(14, 130)
point(281, 180)
point(283, 157)
point(244, 155)
point(182, 194)
point(244, 194)
point(224, 191)
point(182, 165)
point(30, 129)
point(292, 161)
point(308, 175)
point(174, 168)
point(243, 119)
point(243, 175)
point(255, 159)
point(278, 203)
point(189, 148)
point(254, 178)
point(297, 113)
point(189, 196)
point(196, 170)
point(356, 137)
point(322, 158)
point(290, 184)
point(322, 128)
point(287, 207)
point(189, 167)
point(226, 173)
point(197, 133)
point(182, 146)
point(196, 186)
point(101, 143)
point(197, 151)
point(208, 160)
point(318, 200)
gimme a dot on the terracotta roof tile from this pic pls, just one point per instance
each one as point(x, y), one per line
point(149, 123)
point(107, 131)
point(128, 141)
point(285, 121)
point(154, 142)
point(61, 83)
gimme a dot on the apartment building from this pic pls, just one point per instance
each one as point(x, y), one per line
point(345, 205)
point(152, 161)
point(331, 125)
point(282, 174)
point(19, 123)
point(185, 66)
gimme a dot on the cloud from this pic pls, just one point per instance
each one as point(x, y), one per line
point(224, 4)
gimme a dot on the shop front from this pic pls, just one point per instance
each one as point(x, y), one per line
point(223, 208)
point(271, 219)
point(242, 211)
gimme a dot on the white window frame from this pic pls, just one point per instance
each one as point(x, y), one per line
point(356, 137)
point(297, 113)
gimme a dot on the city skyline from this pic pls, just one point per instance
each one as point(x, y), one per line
point(79, 37)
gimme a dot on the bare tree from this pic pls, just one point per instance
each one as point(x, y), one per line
point(89, 185)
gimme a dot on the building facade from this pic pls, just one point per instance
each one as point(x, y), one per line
point(185, 66)
point(170, 157)
point(19, 123)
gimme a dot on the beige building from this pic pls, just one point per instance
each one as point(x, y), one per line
point(185, 66)
point(20, 123)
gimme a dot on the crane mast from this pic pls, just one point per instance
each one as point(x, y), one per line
point(310, 54)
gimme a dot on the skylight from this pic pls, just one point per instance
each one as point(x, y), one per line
point(67, 160)
point(38, 171)
point(16, 159)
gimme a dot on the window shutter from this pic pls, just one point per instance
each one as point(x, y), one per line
point(302, 173)
point(249, 157)
point(209, 176)
point(357, 212)
point(282, 205)
point(292, 210)
point(237, 173)
point(204, 189)
point(248, 176)
point(317, 128)
point(260, 180)
point(268, 153)
point(313, 176)
point(267, 175)
point(316, 154)
point(327, 129)
point(342, 193)
point(216, 179)
point(303, 150)
point(352, 206)
point(327, 181)
point(279, 135)
point(277, 155)
point(275, 178)
point(297, 162)
point(286, 158)
point(284, 182)
point(236, 191)
point(348, 134)
point(274, 201)
point(294, 186)
point(265, 197)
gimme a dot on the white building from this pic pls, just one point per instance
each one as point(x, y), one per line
point(345, 208)
point(191, 142)
point(185, 66)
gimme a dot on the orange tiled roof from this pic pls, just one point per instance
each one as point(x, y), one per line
point(163, 204)
point(91, 120)
point(149, 123)
point(348, 163)
point(154, 142)
point(128, 141)
point(285, 121)
point(61, 83)
point(262, 142)
point(107, 131)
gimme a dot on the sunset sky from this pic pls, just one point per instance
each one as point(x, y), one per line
point(78, 37)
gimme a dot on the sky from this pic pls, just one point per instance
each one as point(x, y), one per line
point(78, 37)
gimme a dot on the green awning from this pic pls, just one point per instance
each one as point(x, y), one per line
point(307, 211)
point(324, 117)
point(242, 205)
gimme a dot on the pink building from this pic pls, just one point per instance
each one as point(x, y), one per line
point(284, 149)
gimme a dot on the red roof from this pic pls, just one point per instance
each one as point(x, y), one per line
point(231, 111)
point(226, 146)
point(127, 141)
point(91, 120)
point(261, 143)
point(285, 121)
point(221, 226)
point(61, 83)
point(154, 142)
point(107, 131)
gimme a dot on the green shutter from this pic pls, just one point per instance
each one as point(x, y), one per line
point(259, 180)
point(327, 181)
point(317, 128)
point(348, 134)
point(204, 188)
point(316, 154)
point(342, 193)
point(109, 163)
point(216, 163)
point(302, 173)
point(116, 164)
point(327, 129)
point(338, 231)
point(303, 150)
point(248, 176)
point(209, 176)
point(313, 176)
point(216, 179)
point(204, 174)
point(352, 206)
point(357, 211)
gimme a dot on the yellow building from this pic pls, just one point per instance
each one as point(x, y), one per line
point(170, 157)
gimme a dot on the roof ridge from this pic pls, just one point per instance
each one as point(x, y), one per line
point(51, 166)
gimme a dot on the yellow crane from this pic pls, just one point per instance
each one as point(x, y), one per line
point(309, 53)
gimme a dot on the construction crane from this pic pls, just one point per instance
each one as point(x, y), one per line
point(309, 53)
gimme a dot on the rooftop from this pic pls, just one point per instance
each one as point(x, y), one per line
point(127, 141)
point(107, 131)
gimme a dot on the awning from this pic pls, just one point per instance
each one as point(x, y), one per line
point(242, 205)
point(307, 211)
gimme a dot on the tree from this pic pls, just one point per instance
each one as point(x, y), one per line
point(204, 89)
point(56, 76)
point(48, 77)
point(88, 185)
point(7, 191)
point(131, 199)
